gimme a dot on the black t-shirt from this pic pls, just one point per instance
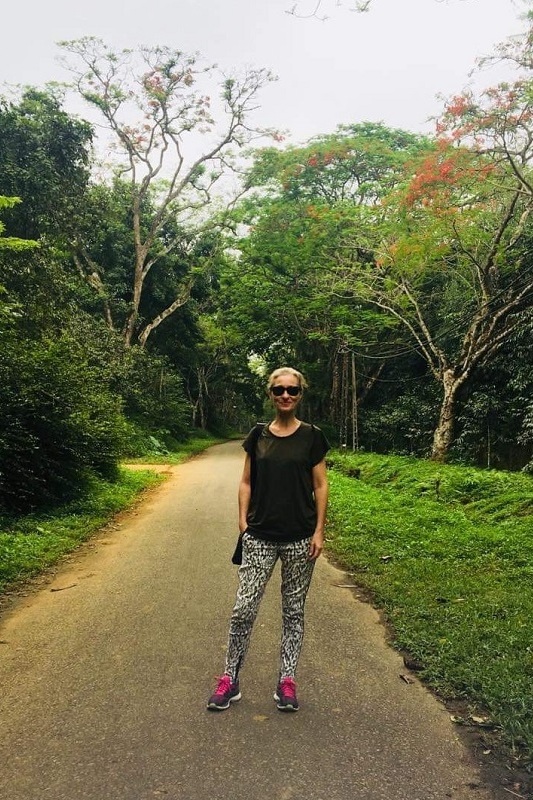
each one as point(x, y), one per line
point(282, 506)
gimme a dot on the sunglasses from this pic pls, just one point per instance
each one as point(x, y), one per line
point(293, 391)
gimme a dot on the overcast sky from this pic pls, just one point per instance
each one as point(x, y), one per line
point(385, 65)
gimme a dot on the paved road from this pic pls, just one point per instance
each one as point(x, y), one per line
point(103, 684)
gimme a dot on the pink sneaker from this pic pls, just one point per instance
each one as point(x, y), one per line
point(285, 695)
point(226, 692)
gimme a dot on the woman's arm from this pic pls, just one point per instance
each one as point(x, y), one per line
point(245, 493)
point(320, 489)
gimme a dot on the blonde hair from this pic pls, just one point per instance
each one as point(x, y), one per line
point(286, 371)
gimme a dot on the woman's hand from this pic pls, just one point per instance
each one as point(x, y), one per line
point(245, 493)
point(320, 489)
point(316, 545)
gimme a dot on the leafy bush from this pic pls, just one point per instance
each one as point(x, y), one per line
point(154, 402)
point(402, 423)
point(61, 422)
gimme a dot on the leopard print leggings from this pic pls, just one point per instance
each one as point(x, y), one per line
point(259, 559)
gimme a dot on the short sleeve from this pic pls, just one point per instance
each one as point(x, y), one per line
point(320, 446)
point(252, 437)
point(247, 444)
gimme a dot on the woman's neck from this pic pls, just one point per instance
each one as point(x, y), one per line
point(285, 422)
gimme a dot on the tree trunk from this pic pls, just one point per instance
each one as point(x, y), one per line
point(131, 320)
point(443, 435)
point(177, 303)
point(200, 407)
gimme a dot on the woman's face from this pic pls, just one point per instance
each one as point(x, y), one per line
point(280, 392)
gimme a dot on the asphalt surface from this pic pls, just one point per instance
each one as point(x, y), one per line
point(105, 672)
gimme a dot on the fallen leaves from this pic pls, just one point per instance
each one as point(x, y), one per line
point(474, 720)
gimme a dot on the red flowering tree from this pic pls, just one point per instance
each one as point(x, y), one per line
point(155, 106)
point(453, 248)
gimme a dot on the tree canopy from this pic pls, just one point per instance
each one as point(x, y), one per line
point(144, 298)
point(151, 101)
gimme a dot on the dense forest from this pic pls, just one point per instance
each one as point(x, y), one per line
point(151, 274)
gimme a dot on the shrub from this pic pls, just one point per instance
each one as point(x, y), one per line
point(153, 397)
point(61, 421)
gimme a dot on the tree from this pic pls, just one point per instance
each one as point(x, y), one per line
point(301, 203)
point(61, 422)
point(152, 102)
point(443, 250)
point(357, 163)
point(495, 412)
point(447, 255)
point(453, 266)
point(44, 159)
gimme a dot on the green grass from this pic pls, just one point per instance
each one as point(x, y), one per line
point(447, 553)
point(186, 449)
point(30, 544)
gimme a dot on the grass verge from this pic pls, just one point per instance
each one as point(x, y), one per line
point(447, 554)
point(31, 543)
point(186, 450)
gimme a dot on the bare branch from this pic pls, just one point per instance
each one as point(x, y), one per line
point(180, 301)
point(161, 90)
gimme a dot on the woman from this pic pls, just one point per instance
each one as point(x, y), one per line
point(282, 509)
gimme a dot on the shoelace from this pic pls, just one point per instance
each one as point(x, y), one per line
point(223, 685)
point(288, 687)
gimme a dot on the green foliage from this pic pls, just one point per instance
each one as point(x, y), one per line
point(446, 551)
point(153, 402)
point(105, 251)
point(157, 453)
point(150, 100)
point(368, 243)
point(363, 243)
point(358, 163)
point(495, 417)
point(284, 294)
point(400, 418)
point(74, 398)
point(60, 421)
point(12, 242)
point(44, 159)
